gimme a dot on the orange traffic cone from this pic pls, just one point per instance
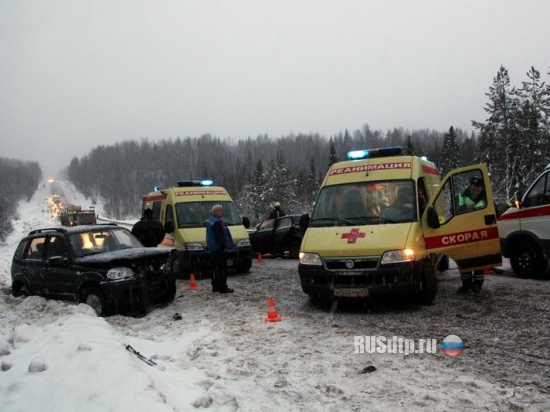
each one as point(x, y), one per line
point(260, 259)
point(192, 284)
point(272, 315)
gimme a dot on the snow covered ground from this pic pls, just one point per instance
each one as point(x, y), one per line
point(222, 355)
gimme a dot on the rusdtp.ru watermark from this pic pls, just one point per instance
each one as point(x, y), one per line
point(452, 345)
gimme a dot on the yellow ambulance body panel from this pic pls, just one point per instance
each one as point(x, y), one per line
point(366, 235)
point(183, 210)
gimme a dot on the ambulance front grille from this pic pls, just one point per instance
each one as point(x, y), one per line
point(358, 263)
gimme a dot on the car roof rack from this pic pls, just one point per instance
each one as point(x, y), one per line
point(48, 229)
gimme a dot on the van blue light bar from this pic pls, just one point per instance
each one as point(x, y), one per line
point(369, 153)
point(204, 182)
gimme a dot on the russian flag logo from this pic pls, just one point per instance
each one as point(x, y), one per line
point(452, 345)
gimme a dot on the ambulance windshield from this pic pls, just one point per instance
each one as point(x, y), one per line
point(366, 203)
point(195, 214)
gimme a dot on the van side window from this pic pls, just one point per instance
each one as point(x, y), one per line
point(170, 214)
point(539, 194)
point(444, 203)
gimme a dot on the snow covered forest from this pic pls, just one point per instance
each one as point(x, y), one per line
point(512, 140)
point(19, 180)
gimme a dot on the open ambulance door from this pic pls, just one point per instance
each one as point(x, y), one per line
point(469, 236)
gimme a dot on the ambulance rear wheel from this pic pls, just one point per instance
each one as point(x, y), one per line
point(528, 260)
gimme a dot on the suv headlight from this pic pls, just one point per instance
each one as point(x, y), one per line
point(243, 243)
point(310, 259)
point(397, 256)
point(194, 246)
point(120, 273)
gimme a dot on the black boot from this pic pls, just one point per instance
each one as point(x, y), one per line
point(466, 286)
point(476, 286)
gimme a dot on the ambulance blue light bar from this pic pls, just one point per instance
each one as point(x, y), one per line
point(204, 182)
point(369, 153)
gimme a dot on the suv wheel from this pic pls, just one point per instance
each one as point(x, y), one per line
point(528, 260)
point(93, 297)
point(21, 291)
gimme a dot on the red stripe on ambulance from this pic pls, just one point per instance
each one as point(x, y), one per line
point(461, 238)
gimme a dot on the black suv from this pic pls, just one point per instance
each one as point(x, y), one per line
point(104, 266)
point(279, 237)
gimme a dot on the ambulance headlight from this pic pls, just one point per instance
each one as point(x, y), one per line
point(310, 259)
point(243, 243)
point(194, 246)
point(397, 256)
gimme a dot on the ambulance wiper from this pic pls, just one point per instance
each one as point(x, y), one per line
point(334, 220)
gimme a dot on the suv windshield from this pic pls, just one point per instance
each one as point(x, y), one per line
point(195, 214)
point(102, 240)
point(366, 203)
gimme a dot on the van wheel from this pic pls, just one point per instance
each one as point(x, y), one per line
point(94, 297)
point(243, 266)
point(428, 284)
point(528, 260)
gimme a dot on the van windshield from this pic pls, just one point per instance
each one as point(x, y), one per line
point(366, 203)
point(195, 214)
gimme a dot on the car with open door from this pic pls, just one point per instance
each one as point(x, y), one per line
point(278, 237)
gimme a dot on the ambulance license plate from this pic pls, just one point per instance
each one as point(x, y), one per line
point(351, 293)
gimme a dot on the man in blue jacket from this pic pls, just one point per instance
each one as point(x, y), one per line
point(218, 241)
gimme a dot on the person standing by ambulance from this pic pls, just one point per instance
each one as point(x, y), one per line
point(219, 241)
point(149, 231)
point(471, 199)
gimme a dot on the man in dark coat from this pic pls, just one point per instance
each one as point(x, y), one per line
point(149, 231)
point(219, 241)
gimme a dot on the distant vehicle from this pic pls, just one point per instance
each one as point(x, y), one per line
point(104, 266)
point(74, 216)
point(279, 237)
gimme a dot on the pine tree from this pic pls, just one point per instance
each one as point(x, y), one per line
point(450, 153)
point(530, 124)
point(498, 145)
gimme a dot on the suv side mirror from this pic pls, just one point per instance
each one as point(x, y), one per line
point(433, 218)
point(169, 226)
point(246, 222)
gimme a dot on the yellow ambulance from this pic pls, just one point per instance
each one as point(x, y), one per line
point(381, 222)
point(183, 210)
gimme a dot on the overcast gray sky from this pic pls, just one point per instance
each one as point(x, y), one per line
point(75, 74)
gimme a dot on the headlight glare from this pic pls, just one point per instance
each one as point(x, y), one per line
point(397, 256)
point(120, 273)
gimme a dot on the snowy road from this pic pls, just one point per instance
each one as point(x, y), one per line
point(308, 358)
